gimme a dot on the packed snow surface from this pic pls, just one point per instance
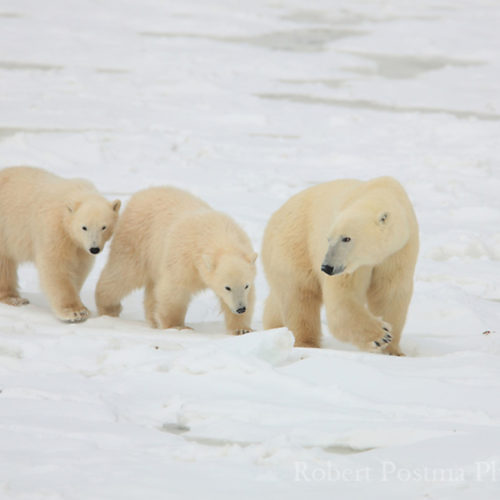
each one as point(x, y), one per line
point(245, 104)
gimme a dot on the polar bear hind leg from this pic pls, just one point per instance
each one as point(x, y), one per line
point(118, 278)
point(8, 283)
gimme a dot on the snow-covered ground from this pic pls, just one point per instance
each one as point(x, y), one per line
point(244, 104)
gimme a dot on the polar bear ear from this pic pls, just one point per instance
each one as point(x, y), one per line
point(115, 205)
point(252, 257)
point(71, 206)
point(207, 261)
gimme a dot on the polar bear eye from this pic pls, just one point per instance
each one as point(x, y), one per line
point(103, 228)
point(246, 286)
point(228, 288)
point(84, 228)
point(346, 239)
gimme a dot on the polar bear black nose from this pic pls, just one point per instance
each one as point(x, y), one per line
point(327, 269)
point(241, 310)
point(95, 250)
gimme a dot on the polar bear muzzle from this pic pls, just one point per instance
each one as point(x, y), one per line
point(330, 270)
point(334, 261)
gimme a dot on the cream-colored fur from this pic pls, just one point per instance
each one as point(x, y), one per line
point(174, 245)
point(41, 220)
point(349, 245)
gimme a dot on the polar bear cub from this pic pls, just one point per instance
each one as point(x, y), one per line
point(60, 225)
point(349, 245)
point(175, 245)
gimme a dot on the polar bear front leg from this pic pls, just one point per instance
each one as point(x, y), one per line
point(350, 321)
point(272, 317)
point(58, 283)
point(86, 262)
point(391, 304)
point(301, 313)
point(8, 283)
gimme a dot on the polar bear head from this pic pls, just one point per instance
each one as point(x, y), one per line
point(365, 233)
point(230, 275)
point(91, 222)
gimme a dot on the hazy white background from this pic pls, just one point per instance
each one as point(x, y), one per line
point(244, 104)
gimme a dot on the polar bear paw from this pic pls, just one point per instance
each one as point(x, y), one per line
point(380, 344)
point(241, 331)
point(15, 301)
point(73, 315)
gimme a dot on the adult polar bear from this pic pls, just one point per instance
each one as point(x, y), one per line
point(351, 245)
point(175, 245)
point(60, 224)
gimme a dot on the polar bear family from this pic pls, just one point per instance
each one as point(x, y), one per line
point(348, 245)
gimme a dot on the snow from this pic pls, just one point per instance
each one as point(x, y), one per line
point(245, 104)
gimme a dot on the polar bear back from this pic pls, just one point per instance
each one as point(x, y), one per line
point(169, 227)
point(31, 200)
point(148, 218)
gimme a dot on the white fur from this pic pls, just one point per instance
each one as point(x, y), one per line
point(174, 245)
point(367, 234)
point(41, 220)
